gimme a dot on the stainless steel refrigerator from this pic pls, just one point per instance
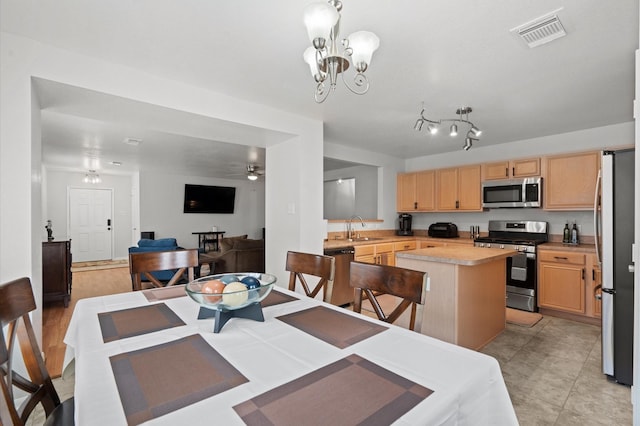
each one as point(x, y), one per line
point(614, 239)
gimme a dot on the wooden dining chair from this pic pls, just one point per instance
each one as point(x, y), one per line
point(145, 263)
point(16, 301)
point(317, 265)
point(373, 280)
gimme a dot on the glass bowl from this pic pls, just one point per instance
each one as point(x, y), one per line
point(230, 300)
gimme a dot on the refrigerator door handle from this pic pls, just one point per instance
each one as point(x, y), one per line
point(596, 216)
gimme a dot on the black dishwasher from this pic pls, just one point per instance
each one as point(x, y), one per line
point(342, 292)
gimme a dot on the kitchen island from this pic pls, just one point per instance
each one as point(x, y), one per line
point(465, 302)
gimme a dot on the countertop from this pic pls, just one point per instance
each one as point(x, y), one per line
point(340, 243)
point(580, 248)
point(457, 255)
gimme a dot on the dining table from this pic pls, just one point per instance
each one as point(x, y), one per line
point(144, 357)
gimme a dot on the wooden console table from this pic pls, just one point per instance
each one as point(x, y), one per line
point(209, 237)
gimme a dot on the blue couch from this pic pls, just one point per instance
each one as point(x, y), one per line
point(163, 244)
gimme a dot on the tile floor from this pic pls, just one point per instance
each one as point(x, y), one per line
point(552, 372)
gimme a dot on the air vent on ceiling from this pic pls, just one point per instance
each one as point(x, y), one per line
point(541, 30)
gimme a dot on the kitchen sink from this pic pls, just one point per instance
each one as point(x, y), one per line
point(365, 239)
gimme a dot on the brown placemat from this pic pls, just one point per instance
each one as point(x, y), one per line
point(332, 326)
point(276, 298)
point(164, 293)
point(135, 321)
point(351, 391)
point(158, 380)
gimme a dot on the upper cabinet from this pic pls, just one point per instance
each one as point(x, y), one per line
point(511, 169)
point(458, 189)
point(415, 192)
point(570, 181)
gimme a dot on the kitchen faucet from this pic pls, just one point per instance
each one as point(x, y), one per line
point(350, 225)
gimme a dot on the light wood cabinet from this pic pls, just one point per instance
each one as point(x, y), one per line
point(594, 304)
point(382, 254)
point(458, 189)
point(528, 167)
point(416, 191)
point(404, 245)
point(561, 281)
point(428, 244)
point(570, 181)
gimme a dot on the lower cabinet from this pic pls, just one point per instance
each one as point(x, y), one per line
point(567, 281)
point(56, 271)
point(382, 254)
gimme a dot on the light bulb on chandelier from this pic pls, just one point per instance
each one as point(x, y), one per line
point(432, 125)
point(92, 177)
point(324, 57)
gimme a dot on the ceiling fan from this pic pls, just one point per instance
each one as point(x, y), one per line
point(254, 172)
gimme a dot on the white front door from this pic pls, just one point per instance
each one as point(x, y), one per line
point(90, 224)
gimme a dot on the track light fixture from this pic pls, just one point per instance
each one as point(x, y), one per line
point(463, 117)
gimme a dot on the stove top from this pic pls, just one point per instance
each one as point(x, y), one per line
point(514, 233)
point(518, 242)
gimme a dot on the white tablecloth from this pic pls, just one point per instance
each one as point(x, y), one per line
point(468, 386)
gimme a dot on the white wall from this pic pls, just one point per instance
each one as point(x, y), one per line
point(20, 147)
point(56, 208)
point(161, 208)
point(388, 167)
point(366, 188)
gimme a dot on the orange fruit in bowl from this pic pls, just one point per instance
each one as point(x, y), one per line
point(212, 287)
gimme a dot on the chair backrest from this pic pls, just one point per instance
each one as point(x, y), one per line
point(16, 301)
point(317, 265)
point(375, 279)
point(143, 264)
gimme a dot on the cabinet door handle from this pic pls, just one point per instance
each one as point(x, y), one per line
point(415, 205)
point(561, 257)
point(513, 171)
point(506, 172)
point(593, 274)
point(583, 274)
point(457, 204)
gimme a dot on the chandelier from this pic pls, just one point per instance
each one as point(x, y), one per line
point(92, 177)
point(432, 126)
point(326, 59)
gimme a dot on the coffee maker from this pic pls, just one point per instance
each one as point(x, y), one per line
point(404, 225)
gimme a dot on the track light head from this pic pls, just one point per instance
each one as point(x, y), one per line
point(462, 119)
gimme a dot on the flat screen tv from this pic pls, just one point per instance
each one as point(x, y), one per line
point(209, 199)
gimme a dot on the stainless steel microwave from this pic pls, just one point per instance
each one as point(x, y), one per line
point(512, 193)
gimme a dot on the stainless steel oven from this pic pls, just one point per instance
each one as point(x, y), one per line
point(522, 236)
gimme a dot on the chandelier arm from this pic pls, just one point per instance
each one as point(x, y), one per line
point(322, 93)
point(360, 80)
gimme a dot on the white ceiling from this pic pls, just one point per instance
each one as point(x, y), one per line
point(445, 53)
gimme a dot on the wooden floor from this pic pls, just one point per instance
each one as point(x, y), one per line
point(55, 317)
